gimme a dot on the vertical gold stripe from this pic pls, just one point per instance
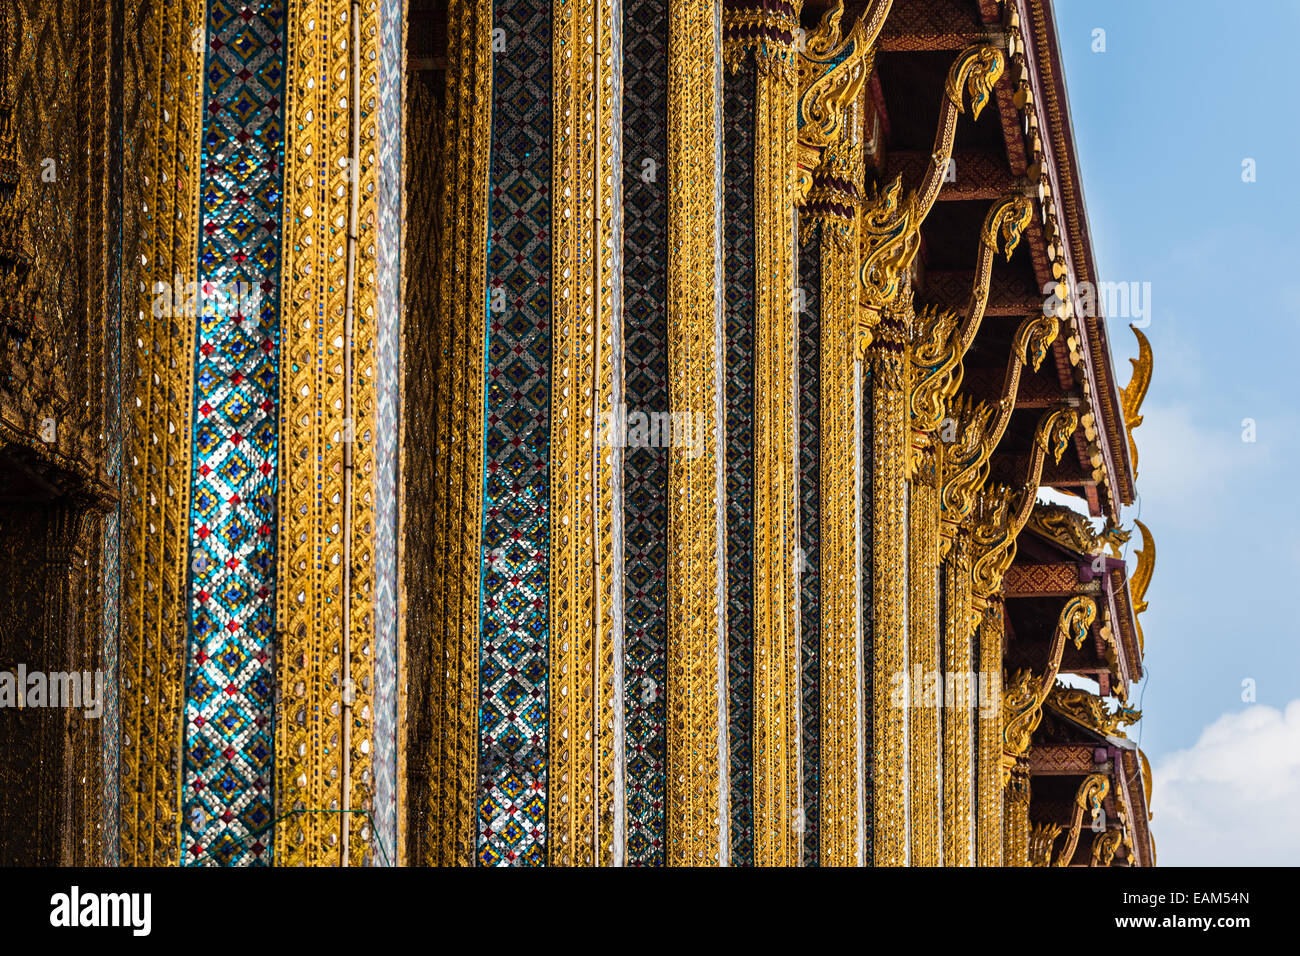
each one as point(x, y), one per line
point(692, 658)
point(776, 653)
point(839, 631)
point(1016, 817)
point(989, 732)
point(925, 684)
point(156, 463)
point(958, 783)
point(888, 370)
point(580, 776)
point(314, 484)
point(608, 397)
point(363, 79)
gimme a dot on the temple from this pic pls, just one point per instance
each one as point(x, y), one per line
point(505, 433)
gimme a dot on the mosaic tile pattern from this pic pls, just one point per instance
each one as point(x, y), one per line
point(516, 532)
point(110, 576)
point(738, 260)
point(809, 565)
point(229, 734)
point(387, 386)
point(645, 470)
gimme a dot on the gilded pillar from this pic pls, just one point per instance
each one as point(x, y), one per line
point(763, 653)
point(695, 496)
point(337, 384)
point(988, 782)
point(886, 377)
point(581, 680)
point(1016, 816)
point(155, 608)
point(958, 729)
point(831, 682)
point(925, 678)
point(520, 728)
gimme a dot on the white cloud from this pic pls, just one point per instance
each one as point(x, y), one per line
point(1233, 798)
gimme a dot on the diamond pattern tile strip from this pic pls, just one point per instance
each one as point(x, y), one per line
point(809, 566)
point(738, 112)
point(227, 782)
point(516, 533)
point(645, 321)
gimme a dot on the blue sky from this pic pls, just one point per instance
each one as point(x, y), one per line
point(1163, 120)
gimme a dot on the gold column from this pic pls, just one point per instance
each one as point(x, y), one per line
point(776, 650)
point(446, 835)
point(581, 675)
point(988, 783)
point(156, 456)
point(324, 588)
point(923, 667)
point(693, 611)
point(887, 368)
point(1016, 829)
point(958, 782)
point(839, 626)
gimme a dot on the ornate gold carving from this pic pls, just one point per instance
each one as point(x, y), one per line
point(988, 781)
point(888, 368)
point(891, 224)
point(997, 523)
point(831, 75)
point(959, 623)
point(941, 339)
point(1091, 792)
point(965, 463)
point(1104, 846)
point(325, 586)
point(1135, 391)
point(156, 457)
point(1025, 692)
point(839, 624)
point(1041, 838)
point(581, 670)
point(776, 648)
point(1066, 527)
point(1141, 580)
point(1091, 710)
point(693, 271)
point(923, 661)
point(1015, 829)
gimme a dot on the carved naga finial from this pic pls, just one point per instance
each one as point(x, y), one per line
point(1136, 390)
point(995, 539)
point(1104, 845)
point(1091, 711)
point(1025, 693)
point(965, 464)
point(831, 73)
point(1141, 579)
point(941, 338)
point(1089, 796)
point(1041, 838)
point(891, 223)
